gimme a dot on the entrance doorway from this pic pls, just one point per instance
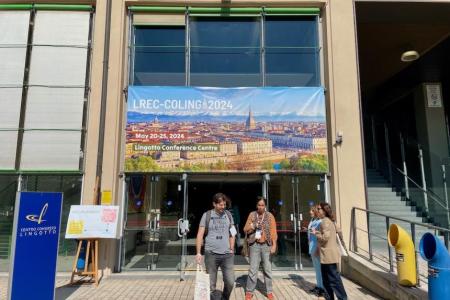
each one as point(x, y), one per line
point(163, 213)
point(241, 191)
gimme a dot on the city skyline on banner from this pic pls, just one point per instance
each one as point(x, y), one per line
point(191, 129)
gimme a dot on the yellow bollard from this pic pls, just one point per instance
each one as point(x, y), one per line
point(405, 255)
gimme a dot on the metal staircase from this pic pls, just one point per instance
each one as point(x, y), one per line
point(382, 198)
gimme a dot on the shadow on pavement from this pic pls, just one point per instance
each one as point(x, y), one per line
point(65, 291)
point(303, 284)
point(241, 281)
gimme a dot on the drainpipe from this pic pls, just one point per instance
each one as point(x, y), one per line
point(101, 132)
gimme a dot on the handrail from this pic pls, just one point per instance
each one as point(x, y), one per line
point(403, 220)
point(434, 197)
point(432, 194)
point(422, 276)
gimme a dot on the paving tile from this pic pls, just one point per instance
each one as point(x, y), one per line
point(293, 286)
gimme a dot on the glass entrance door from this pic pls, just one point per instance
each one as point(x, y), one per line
point(153, 231)
point(289, 200)
point(163, 212)
point(242, 191)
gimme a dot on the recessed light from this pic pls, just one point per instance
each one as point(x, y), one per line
point(410, 55)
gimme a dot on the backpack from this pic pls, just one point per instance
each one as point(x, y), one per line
point(208, 219)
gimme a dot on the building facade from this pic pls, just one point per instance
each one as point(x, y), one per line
point(69, 67)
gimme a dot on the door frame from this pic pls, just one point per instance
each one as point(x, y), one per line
point(183, 223)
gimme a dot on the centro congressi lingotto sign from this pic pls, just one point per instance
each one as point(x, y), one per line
point(35, 245)
point(179, 129)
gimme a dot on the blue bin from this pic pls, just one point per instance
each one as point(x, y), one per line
point(433, 250)
point(82, 257)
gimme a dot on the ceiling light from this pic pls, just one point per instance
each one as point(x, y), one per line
point(410, 55)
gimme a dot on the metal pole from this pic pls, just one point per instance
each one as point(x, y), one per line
point(370, 238)
point(183, 239)
point(413, 236)
point(446, 238)
point(19, 183)
point(374, 144)
point(391, 264)
point(388, 153)
point(424, 183)
point(294, 220)
point(327, 188)
point(354, 240)
point(405, 169)
point(262, 49)
point(444, 179)
point(299, 227)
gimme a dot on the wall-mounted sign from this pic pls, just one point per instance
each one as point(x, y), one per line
point(434, 95)
point(106, 198)
point(35, 245)
point(193, 129)
point(92, 221)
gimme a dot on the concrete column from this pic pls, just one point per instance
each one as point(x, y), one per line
point(431, 134)
point(344, 115)
point(114, 127)
point(93, 120)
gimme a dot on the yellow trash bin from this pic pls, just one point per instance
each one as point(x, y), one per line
point(405, 255)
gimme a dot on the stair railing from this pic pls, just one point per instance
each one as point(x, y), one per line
point(362, 239)
point(401, 178)
point(416, 193)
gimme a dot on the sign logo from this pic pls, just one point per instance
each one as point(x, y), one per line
point(36, 218)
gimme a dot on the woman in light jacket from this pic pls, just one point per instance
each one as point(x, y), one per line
point(329, 255)
point(314, 250)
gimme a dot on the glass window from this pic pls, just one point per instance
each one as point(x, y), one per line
point(225, 52)
point(12, 65)
point(159, 55)
point(292, 51)
point(70, 185)
point(8, 188)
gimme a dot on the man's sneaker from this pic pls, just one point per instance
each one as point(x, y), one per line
point(270, 296)
point(248, 296)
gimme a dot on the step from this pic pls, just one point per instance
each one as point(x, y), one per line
point(381, 184)
point(379, 219)
point(378, 189)
point(382, 200)
point(382, 228)
point(390, 206)
point(388, 201)
point(404, 225)
point(380, 232)
point(392, 211)
point(376, 178)
point(388, 191)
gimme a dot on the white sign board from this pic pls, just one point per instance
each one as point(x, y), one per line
point(92, 221)
point(434, 95)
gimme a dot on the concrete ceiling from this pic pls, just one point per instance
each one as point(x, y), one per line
point(385, 30)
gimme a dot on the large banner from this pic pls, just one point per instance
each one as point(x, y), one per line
point(35, 245)
point(193, 129)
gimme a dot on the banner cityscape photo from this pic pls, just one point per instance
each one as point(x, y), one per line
point(201, 129)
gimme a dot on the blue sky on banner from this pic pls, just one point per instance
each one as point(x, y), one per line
point(284, 102)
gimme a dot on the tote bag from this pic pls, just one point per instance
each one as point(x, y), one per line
point(202, 291)
point(340, 245)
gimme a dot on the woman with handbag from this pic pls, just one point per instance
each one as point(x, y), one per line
point(261, 232)
point(327, 237)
